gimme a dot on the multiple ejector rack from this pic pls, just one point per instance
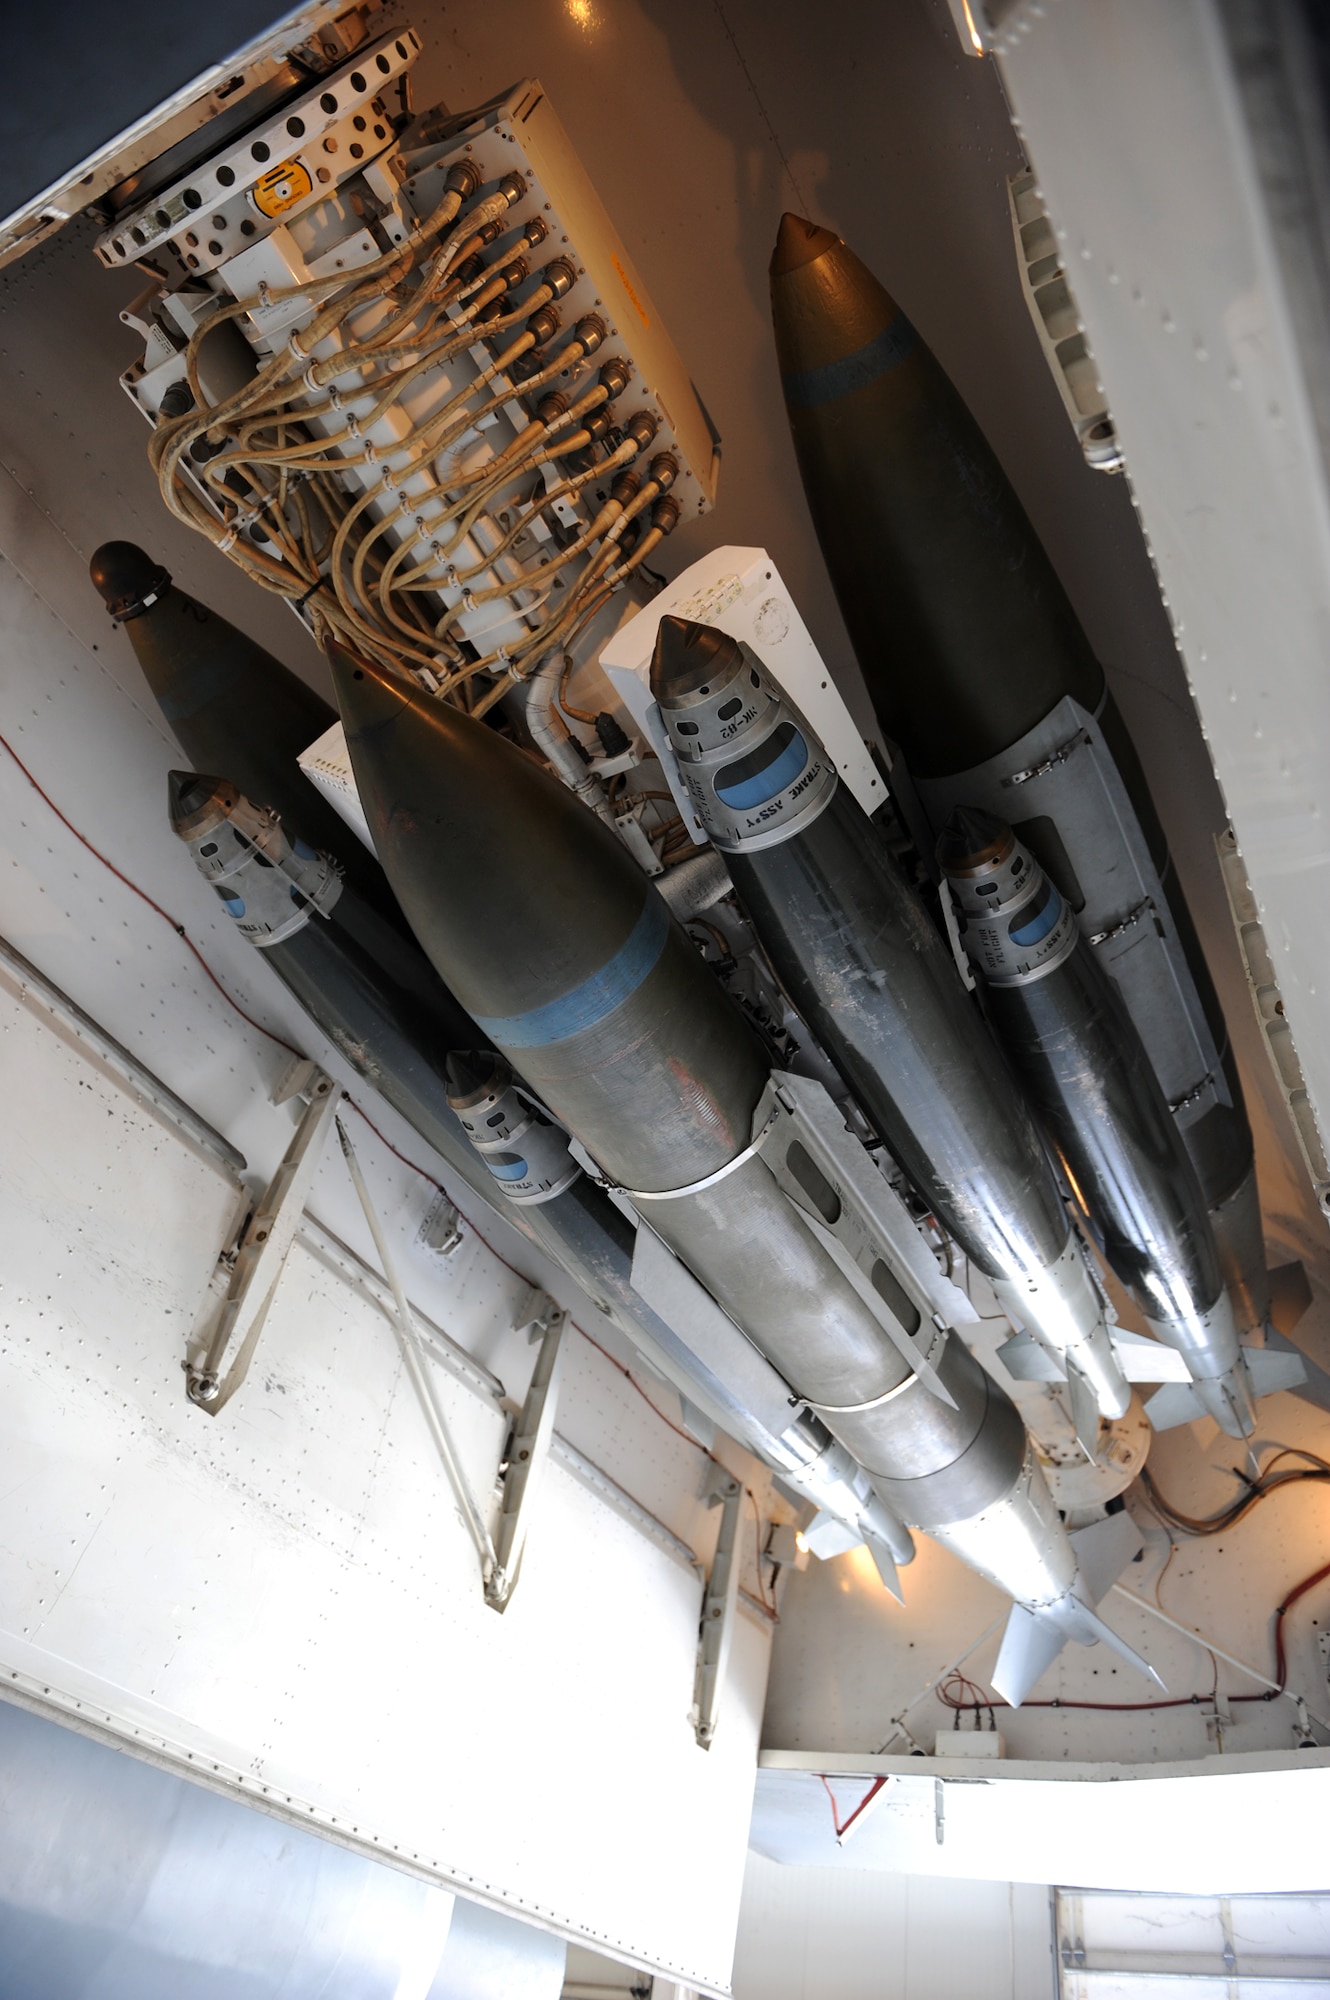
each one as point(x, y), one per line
point(402, 371)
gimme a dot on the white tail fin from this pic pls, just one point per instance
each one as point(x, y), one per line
point(1274, 1368)
point(1176, 1403)
point(1103, 1551)
point(1225, 1397)
point(1030, 1645)
point(1143, 1359)
point(1025, 1360)
point(1033, 1639)
point(1089, 1627)
point(1315, 1388)
point(885, 1565)
point(1084, 1411)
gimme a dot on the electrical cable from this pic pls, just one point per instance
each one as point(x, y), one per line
point(984, 1319)
point(144, 897)
point(1258, 1490)
point(947, 1695)
point(260, 437)
point(185, 939)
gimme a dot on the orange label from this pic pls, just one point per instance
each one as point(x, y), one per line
point(282, 187)
point(627, 284)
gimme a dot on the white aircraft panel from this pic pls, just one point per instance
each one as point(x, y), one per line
point(284, 1596)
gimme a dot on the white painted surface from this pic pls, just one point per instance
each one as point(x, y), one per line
point(747, 109)
point(283, 1595)
point(1134, 126)
point(849, 1660)
point(808, 1933)
point(1277, 1946)
point(1188, 1828)
point(741, 592)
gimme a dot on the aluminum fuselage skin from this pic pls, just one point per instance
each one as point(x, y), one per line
point(971, 652)
point(553, 940)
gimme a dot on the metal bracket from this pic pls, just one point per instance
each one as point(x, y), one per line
point(259, 1257)
point(421, 1377)
point(441, 1230)
point(858, 1219)
point(719, 1607)
point(1263, 985)
point(42, 996)
point(527, 1453)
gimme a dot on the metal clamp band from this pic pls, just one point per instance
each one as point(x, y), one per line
point(696, 1187)
point(873, 1403)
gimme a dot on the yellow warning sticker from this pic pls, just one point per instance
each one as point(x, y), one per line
point(282, 187)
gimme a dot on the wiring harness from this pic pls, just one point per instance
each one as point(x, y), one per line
point(385, 387)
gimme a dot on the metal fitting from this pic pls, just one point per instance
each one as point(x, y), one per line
point(560, 275)
point(614, 378)
point(642, 427)
point(590, 333)
point(664, 470)
point(543, 325)
point(463, 177)
point(665, 514)
point(512, 187)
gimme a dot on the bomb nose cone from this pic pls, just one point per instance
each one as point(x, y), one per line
point(127, 578)
point(687, 657)
point(838, 333)
point(470, 1074)
point(970, 838)
point(188, 792)
point(367, 695)
point(798, 241)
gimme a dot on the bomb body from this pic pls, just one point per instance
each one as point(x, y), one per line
point(309, 927)
point(289, 903)
point(1075, 1048)
point(869, 972)
point(581, 1228)
point(234, 710)
point(984, 680)
point(568, 958)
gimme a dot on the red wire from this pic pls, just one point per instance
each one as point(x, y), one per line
point(144, 897)
point(282, 1043)
point(843, 1826)
point(1298, 1590)
point(977, 1699)
point(688, 1438)
point(383, 1139)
